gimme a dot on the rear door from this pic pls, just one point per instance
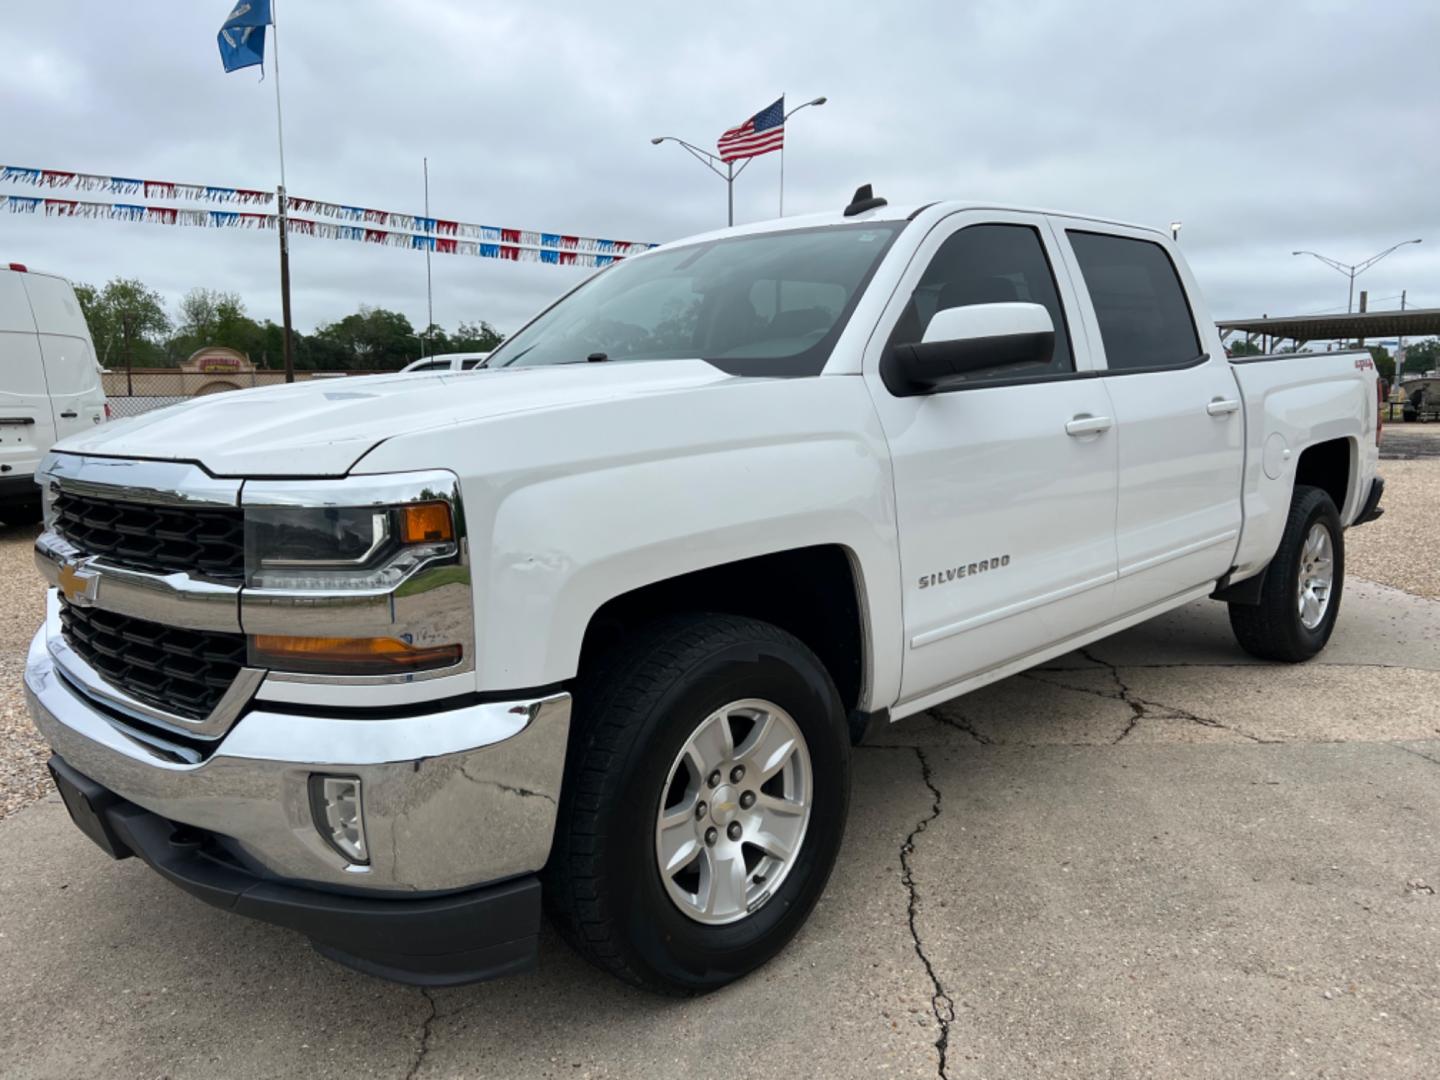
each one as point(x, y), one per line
point(27, 427)
point(1177, 409)
point(1006, 521)
point(77, 401)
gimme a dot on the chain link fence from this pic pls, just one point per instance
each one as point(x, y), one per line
point(143, 390)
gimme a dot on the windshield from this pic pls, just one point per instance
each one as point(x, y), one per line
point(770, 304)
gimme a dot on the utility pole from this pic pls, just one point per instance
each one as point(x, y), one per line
point(1364, 296)
point(1400, 345)
point(430, 242)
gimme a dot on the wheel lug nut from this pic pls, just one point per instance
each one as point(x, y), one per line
point(700, 809)
point(737, 774)
point(747, 800)
point(711, 835)
point(714, 780)
point(733, 831)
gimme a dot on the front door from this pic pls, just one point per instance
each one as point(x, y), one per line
point(1005, 504)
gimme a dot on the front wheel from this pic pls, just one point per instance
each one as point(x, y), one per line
point(705, 798)
point(1300, 599)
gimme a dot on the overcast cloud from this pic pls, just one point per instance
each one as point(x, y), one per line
point(1264, 127)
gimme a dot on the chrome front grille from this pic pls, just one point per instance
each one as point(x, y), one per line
point(205, 542)
point(185, 672)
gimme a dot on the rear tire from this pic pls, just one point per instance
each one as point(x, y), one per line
point(1293, 620)
point(629, 769)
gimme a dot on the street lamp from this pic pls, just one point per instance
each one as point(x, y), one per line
point(713, 163)
point(1175, 230)
point(1354, 270)
point(814, 101)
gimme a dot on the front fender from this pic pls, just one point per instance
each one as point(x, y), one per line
point(569, 508)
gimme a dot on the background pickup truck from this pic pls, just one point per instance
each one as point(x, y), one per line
point(385, 660)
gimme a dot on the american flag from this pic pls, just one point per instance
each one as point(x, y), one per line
point(763, 132)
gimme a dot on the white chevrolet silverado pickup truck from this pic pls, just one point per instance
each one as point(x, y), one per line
point(393, 660)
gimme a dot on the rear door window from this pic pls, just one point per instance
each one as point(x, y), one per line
point(1145, 320)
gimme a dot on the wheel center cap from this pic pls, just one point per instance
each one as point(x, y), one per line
point(724, 805)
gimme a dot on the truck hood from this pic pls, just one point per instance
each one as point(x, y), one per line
point(321, 427)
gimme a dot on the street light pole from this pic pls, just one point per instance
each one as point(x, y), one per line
point(1354, 270)
point(1175, 230)
point(713, 163)
point(814, 101)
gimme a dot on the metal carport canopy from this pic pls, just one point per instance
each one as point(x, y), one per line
point(1413, 322)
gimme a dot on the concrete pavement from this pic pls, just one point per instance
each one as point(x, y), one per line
point(1152, 858)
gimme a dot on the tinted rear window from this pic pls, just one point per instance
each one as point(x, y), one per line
point(1145, 320)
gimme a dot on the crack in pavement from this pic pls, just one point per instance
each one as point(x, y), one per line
point(941, 1004)
point(426, 1031)
point(1140, 708)
point(960, 723)
point(1417, 753)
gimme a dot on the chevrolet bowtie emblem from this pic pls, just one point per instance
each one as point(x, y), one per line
point(78, 583)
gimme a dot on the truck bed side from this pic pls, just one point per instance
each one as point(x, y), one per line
point(1297, 403)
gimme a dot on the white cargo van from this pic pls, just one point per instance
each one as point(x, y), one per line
point(49, 381)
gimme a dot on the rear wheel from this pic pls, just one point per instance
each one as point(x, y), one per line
point(706, 789)
point(1300, 599)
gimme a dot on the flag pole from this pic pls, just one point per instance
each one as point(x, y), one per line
point(782, 162)
point(283, 218)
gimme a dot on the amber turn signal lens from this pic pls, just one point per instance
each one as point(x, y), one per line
point(426, 523)
point(348, 656)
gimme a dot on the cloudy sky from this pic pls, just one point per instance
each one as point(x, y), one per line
point(1264, 127)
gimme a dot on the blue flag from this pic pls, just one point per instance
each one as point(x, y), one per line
point(242, 35)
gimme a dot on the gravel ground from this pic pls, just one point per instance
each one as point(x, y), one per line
point(1402, 549)
point(22, 607)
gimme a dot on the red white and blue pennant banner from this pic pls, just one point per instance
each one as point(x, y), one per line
point(437, 230)
point(233, 219)
point(124, 185)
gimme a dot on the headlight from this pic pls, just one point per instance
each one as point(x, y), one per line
point(346, 547)
point(358, 578)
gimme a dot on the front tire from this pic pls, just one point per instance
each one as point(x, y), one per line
point(660, 874)
point(1300, 599)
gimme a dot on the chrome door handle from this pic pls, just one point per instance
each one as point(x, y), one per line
point(1085, 424)
point(1222, 406)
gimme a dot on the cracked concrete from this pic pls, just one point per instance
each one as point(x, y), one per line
point(1152, 857)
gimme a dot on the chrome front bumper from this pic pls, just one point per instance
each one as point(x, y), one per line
point(452, 798)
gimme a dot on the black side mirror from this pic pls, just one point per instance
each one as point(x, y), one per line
point(962, 341)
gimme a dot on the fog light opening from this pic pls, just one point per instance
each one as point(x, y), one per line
point(339, 816)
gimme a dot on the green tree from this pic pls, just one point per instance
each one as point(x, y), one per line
point(373, 338)
point(1384, 364)
point(1422, 356)
point(1241, 347)
point(127, 321)
point(476, 337)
